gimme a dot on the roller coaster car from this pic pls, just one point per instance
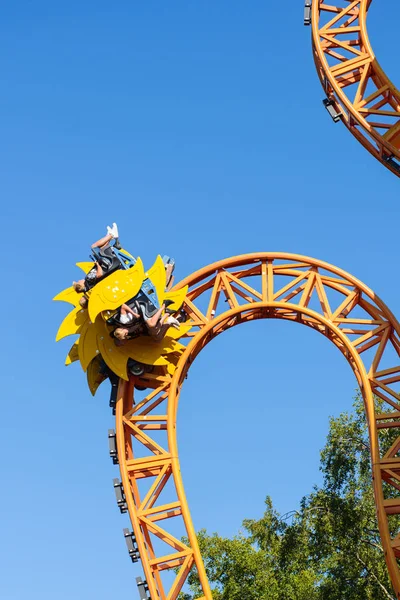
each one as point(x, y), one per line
point(111, 258)
point(145, 302)
point(120, 258)
point(145, 292)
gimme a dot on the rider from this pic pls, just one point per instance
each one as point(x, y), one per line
point(136, 324)
point(105, 260)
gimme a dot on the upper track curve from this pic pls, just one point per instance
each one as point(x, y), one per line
point(358, 90)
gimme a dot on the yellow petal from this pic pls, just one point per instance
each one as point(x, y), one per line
point(123, 251)
point(141, 353)
point(87, 344)
point(177, 298)
point(171, 345)
point(171, 368)
point(144, 349)
point(85, 266)
point(173, 362)
point(72, 323)
point(115, 289)
point(158, 278)
point(72, 355)
point(176, 334)
point(69, 295)
point(94, 375)
point(112, 355)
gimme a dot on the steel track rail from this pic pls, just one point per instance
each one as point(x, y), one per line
point(221, 296)
point(358, 90)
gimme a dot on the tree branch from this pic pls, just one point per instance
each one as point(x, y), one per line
point(356, 439)
point(291, 513)
point(374, 544)
point(375, 578)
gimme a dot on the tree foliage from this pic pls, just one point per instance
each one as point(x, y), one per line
point(328, 549)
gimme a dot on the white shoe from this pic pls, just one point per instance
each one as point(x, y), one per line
point(113, 230)
point(173, 322)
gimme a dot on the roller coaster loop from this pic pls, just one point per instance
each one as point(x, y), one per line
point(222, 295)
point(358, 91)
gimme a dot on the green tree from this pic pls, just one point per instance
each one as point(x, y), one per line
point(329, 549)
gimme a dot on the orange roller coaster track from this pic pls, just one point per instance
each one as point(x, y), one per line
point(358, 91)
point(222, 295)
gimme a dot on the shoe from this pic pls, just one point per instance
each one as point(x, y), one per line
point(113, 231)
point(173, 322)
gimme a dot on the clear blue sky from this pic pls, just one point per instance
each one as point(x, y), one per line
point(199, 128)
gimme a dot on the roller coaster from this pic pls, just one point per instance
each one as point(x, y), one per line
point(216, 298)
point(147, 373)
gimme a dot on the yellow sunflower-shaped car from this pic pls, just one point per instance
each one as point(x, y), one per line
point(136, 304)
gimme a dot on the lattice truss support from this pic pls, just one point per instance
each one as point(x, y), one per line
point(223, 295)
point(359, 90)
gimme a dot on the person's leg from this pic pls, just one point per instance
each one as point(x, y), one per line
point(170, 278)
point(158, 331)
point(112, 233)
point(127, 309)
point(161, 329)
point(103, 241)
point(152, 322)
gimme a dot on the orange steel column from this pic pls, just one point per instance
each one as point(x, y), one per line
point(358, 90)
point(225, 294)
